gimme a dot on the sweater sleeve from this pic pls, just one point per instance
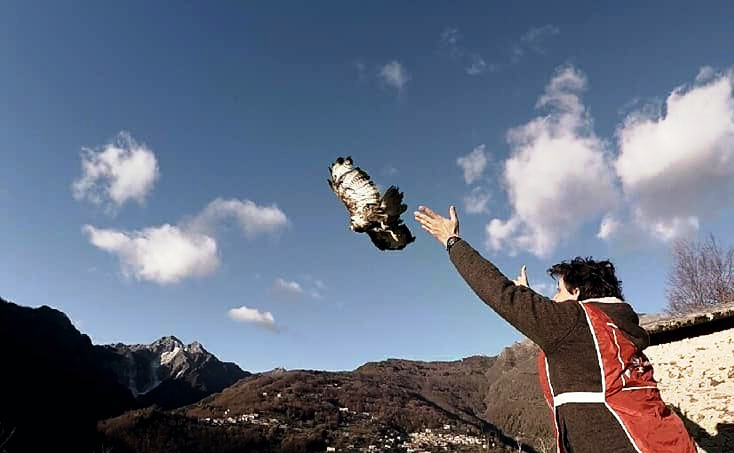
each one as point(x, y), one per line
point(539, 318)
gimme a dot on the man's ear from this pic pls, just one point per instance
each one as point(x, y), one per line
point(576, 293)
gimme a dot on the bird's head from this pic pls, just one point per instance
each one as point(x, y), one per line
point(340, 166)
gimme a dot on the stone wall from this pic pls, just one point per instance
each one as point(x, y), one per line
point(696, 373)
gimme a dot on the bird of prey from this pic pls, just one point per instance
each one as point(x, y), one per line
point(378, 216)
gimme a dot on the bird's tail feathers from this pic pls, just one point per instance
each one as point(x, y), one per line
point(396, 238)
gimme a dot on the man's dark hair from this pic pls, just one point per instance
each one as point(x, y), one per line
point(593, 279)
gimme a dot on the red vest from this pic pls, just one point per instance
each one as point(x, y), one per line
point(630, 391)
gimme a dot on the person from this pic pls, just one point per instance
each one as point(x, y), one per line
point(597, 382)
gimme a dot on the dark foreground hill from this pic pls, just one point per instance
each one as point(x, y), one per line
point(53, 382)
point(55, 385)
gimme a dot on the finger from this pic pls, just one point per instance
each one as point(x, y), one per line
point(428, 211)
point(423, 220)
point(524, 276)
point(452, 213)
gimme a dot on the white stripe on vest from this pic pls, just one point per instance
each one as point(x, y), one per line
point(578, 397)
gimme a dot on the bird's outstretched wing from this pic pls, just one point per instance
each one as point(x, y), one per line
point(392, 203)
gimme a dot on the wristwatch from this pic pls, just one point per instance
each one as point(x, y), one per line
point(452, 240)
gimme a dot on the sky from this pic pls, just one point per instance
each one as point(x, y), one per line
point(164, 165)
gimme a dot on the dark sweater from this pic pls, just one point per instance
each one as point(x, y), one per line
point(562, 332)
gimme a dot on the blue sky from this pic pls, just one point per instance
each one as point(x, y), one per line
point(164, 166)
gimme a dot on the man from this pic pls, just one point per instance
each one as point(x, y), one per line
point(598, 384)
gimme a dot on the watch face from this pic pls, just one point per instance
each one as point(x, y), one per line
point(451, 241)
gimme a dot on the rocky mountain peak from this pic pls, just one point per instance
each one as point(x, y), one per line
point(196, 348)
point(166, 344)
point(170, 373)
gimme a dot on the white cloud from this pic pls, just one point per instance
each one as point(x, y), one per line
point(254, 220)
point(450, 43)
point(291, 289)
point(477, 65)
point(450, 38)
point(537, 35)
point(394, 75)
point(677, 167)
point(254, 316)
point(705, 74)
point(674, 228)
point(608, 227)
point(167, 254)
point(162, 254)
point(557, 176)
point(317, 286)
point(476, 201)
point(532, 41)
point(474, 64)
point(516, 52)
point(287, 288)
point(118, 172)
point(473, 164)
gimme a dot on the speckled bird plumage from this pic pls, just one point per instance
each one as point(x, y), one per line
point(369, 212)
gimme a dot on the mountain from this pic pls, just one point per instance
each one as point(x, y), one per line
point(393, 402)
point(170, 374)
point(61, 392)
point(53, 385)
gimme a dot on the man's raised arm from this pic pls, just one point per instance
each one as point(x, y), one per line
point(542, 320)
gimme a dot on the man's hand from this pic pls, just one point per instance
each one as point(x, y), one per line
point(440, 228)
point(522, 279)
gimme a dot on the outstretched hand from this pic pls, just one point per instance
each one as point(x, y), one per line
point(439, 227)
